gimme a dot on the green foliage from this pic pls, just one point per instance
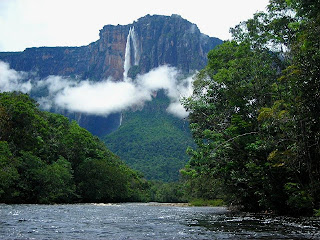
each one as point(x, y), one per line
point(205, 202)
point(152, 141)
point(58, 183)
point(255, 114)
point(317, 212)
point(299, 200)
point(100, 181)
point(8, 171)
point(173, 192)
point(46, 159)
point(225, 104)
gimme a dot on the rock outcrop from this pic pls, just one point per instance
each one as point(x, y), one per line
point(160, 40)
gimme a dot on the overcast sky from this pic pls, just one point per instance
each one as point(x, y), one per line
point(34, 23)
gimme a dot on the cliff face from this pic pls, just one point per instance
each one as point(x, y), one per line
point(159, 40)
point(174, 41)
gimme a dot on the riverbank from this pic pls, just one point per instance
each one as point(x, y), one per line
point(156, 204)
point(169, 204)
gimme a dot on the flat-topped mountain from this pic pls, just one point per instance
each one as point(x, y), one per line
point(159, 40)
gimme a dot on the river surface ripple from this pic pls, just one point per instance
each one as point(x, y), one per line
point(146, 221)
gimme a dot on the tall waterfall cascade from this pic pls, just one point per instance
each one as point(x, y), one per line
point(132, 38)
point(120, 121)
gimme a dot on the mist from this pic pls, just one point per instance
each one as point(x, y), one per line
point(104, 97)
point(11, 80)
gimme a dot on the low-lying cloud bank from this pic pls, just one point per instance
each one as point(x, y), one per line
point(101, 98)
point(11, 80)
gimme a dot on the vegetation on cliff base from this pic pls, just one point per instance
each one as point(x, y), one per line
point(255, 114)
point(152, 141)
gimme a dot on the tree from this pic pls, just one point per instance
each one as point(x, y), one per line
point(8, 172)
point(224, 107)
point(46, 159)
point(255, 112)
point(58, 183)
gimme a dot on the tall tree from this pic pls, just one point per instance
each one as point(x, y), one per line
point(255, 112)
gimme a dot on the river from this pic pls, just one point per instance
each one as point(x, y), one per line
point(146, 221)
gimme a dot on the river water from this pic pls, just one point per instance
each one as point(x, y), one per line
point(146, 221)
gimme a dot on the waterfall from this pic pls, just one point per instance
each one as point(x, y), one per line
point(120, 122)
point(135, 47)
point(127, 59)
point(127, 56)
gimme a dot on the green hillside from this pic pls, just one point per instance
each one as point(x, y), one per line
point(44, 158)
point(152, 141)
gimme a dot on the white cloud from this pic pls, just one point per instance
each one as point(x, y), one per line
point(101, 98)
point(56, 83)
point(178, 110)
point(181, 90)
point(11, 80)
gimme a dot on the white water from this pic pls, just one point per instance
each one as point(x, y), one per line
point(135, 47)
point(127, 57)
point(127, 60)
point(146, 222)
point(120, 123)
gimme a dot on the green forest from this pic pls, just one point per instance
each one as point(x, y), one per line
point(45, 158)
point(138, 139)
point(255, 114)
point(254, 118)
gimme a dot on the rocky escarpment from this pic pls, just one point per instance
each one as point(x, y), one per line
point(174, 41)
point(160, 40)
